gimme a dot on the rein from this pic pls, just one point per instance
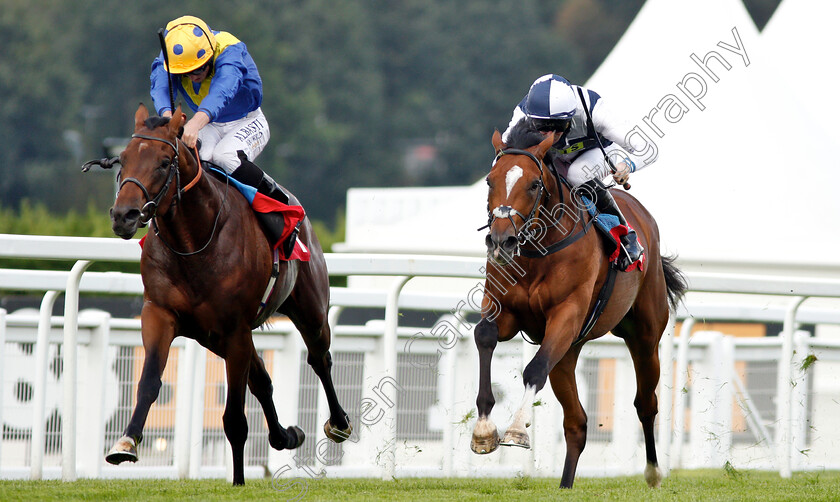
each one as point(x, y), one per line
point(522, 234)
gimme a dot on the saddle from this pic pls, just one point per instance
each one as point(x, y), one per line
point(273, 215)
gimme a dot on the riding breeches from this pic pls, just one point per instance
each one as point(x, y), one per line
point(221, 140)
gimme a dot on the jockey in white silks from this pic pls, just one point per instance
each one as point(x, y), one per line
point(553, 104)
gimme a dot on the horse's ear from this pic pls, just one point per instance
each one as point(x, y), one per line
point(176, 123)
point(140, 117)
point(498, 144)
point(545, 145)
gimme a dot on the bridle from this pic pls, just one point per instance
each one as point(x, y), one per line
point(524, 234)
point(149, 210)
point(508, 212)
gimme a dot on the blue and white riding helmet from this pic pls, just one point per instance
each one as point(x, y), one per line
point(551, 103)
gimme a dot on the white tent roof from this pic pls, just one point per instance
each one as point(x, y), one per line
point(741, 180)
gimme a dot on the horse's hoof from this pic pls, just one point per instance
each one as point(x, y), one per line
point(485, 438)
point(338, 435)
point(653, 475)
point(125, 449)
point(296, 437)
point(516, 438)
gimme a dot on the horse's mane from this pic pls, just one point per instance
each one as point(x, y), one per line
point(523, 135)
point(153, 122)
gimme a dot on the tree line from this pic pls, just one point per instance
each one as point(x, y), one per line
point(356, 92)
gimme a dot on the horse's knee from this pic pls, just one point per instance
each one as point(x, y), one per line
point(486, 334)
point(646, 407)
point(536, 372)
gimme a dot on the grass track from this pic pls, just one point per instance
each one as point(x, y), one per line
point(704, 485)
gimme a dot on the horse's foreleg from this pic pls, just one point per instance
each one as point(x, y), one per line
point(574, 417)
point(553, 348)
point(260, 384)
point(237, 365)
point(485, 438)
point(158, 329)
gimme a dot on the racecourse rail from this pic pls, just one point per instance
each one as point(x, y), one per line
point(711, 356)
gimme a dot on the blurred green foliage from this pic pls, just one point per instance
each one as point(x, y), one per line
point(357, 93)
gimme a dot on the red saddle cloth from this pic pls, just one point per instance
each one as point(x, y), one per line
point(292, 217)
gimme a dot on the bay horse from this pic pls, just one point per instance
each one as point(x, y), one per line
point(546, 265)
point(205, 269)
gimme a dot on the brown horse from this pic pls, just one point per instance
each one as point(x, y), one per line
point(546, 266)
point(204, 270)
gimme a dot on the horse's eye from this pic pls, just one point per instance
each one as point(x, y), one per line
point(534, 186)
point(165, 163)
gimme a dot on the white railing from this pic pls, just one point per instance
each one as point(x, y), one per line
point(387, 350)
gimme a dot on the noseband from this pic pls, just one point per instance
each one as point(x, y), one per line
point(509, 212)
point(149, 209)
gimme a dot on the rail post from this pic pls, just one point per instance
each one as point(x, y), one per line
point(71, 331)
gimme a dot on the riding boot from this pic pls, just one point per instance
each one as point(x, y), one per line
point(605, 203)
point(274, 223)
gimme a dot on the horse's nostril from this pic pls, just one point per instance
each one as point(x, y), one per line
point(488, 241)
point(509, 244)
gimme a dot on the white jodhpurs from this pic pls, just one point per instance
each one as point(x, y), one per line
point(221, 140)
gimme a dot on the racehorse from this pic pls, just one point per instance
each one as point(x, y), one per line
point(546, 265)
point(205, 269)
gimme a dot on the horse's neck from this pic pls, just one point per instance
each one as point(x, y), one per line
point(192, 215)
point(563, 214)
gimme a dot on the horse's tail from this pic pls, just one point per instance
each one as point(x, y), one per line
point(675, 280)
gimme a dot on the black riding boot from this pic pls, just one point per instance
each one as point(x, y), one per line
point(605, 203)
point(249, 174)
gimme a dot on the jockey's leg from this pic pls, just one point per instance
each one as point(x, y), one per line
point(274, 223)
point(605, 203)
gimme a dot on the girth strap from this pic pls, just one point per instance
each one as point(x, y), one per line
point(600, 304)
point(272, 281)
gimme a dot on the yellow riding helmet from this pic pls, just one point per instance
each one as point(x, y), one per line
point(189, 43)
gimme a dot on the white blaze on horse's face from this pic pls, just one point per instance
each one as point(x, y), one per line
point(511, 178)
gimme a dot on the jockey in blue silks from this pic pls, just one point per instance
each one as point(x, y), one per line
point(218, 79)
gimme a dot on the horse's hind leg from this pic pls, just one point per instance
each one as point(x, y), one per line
point(260, 384)
point(338, 427)
point(563, 383)
point(237, 366)
point(158, 328)
point(643, 343)
point(316, 335)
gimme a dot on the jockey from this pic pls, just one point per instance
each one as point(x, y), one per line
point(553, 104)
point(218, 79)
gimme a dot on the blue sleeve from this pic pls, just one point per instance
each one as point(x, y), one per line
point(160, 86)
point(229, 73)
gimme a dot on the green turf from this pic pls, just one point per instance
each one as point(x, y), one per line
point(706, 485)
